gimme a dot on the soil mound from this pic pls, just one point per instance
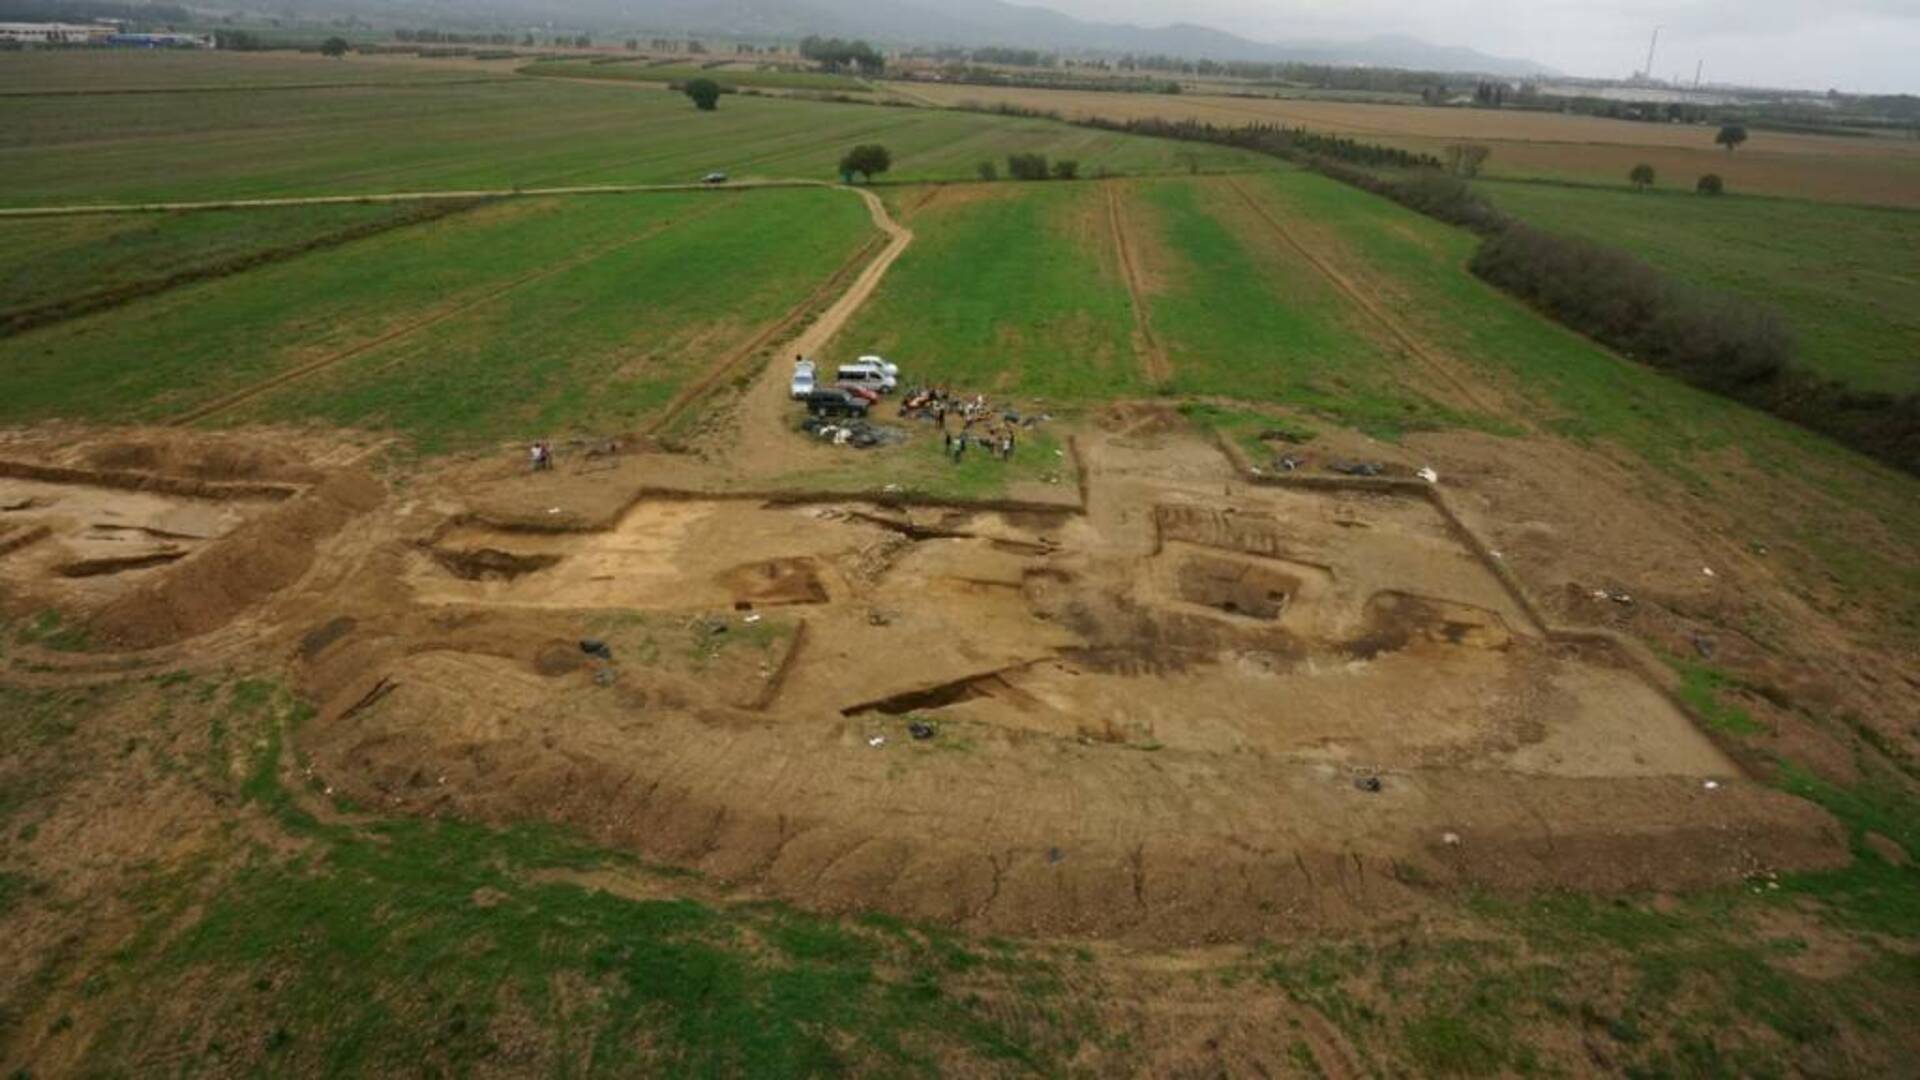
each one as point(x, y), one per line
point(199, 458)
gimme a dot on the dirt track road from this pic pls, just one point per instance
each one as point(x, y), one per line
point(759, 446)
point(1153, 356)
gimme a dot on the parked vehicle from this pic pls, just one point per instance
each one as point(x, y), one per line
point(828, 401)
point(865, 393)
point(714, 178)
point(880, 362)
point(864, 375)
point(802, 383)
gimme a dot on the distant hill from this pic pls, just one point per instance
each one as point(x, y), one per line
point(926, 22)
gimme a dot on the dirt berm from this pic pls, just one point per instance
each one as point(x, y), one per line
point(266, 554)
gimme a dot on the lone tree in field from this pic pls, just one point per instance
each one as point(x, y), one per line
point(1710, 184)
point(1642, 176)
point(1731, 135)
point(704, 92)
point(335, 47)
point(987, 171)
point(867, 159)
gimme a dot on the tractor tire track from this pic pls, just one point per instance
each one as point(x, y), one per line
point(248, 393)
point(1154, 366)
point(1435, 365)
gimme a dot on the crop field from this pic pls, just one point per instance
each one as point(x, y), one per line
point(522, 316)
point(634, 71)
point(1289, 588)
point(1879, 171)
point(496, 135)
point(1090, 292)
point(1842, 276)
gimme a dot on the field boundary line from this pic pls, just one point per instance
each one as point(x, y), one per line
point(59, 311)
point(1426, 358)
point(1153, 357)
point(79, 209)
point(237, 397)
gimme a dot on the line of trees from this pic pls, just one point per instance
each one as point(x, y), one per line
point(836, 54)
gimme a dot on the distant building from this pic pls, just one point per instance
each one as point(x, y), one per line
point(160, 41)
point(98, 34)
point(56, 33)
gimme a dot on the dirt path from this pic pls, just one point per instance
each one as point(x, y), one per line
point(1153, 357)
point(760, 445)
point(1440, 367)
point(248, 393)
point(397, 197)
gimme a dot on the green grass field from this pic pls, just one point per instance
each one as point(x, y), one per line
point(1242, 315)
point(526, 132)
point(528, 315)
point(679, 73)
point(1005, 290)
point(1844, 277)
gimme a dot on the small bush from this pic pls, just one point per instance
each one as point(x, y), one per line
point(1066, 170)
point(1641, 176)
point(987, 171)
point(1711, 184)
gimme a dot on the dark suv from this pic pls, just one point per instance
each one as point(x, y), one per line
point(827, 401)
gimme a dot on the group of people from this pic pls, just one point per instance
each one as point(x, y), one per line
point(977, 422)
point(997, 441)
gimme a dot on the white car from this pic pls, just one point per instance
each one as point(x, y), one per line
point(803, 383)
point(880, 362)
point(864, 375)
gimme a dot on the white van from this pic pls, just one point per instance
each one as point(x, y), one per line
point(865, 375)
point(802, 383)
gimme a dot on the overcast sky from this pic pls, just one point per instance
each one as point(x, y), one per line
point(1871, 45)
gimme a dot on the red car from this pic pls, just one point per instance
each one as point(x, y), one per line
point(864, 393)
